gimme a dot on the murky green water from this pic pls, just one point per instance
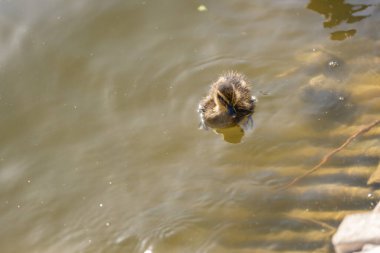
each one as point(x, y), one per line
point(100, 147)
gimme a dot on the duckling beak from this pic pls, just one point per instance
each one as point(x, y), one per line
point(231, 111)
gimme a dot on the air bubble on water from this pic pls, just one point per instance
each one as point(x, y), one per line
point(29, 181)
point(333, 64)
point(341, 98)
point(101, 205)
point(107, 224)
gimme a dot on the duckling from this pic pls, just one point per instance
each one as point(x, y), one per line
point(228, 104)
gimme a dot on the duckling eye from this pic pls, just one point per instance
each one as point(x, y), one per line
point(222, 99)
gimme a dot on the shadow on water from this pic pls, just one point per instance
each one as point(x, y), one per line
point(327, 107)
point(336, 12)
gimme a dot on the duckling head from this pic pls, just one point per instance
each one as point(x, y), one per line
point(224, 96)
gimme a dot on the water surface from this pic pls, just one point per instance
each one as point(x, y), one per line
point(101, 150)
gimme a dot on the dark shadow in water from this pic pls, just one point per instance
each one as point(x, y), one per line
point(336, 12)
point(327, 106)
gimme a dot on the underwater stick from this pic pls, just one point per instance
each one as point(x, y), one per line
point(330, 154)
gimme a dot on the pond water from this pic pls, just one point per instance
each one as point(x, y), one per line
point(100, 146)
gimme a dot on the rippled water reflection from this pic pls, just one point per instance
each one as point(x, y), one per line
point(101, 150)
point(336, 12)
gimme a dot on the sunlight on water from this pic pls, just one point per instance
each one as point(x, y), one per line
point(101, 150)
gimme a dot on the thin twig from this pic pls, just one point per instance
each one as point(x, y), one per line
point(330, 228)
point(330, 154)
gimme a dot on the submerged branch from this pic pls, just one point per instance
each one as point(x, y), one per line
point(325, 225)
point(330, 154)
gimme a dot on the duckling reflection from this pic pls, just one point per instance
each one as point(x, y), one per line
point(231, 134)
point(228, 104)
